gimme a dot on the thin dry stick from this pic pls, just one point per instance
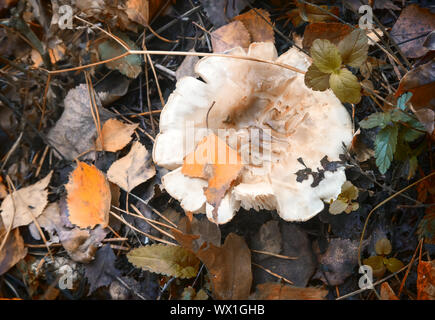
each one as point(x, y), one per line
point(44, 100)
point(272, 273)
point(94, 109)
point(137, 230)
point(153, 221)
point(420, 245)
point(274, 254)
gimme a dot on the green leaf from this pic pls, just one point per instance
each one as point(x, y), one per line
point(354, 48)
point(129, 65)
point(345, 86)
point(398, 115)
point(169, 260)
point(403, 99)
point(377, 119)
point(377, 264)
point(385, 146)
point(393, 264)
point(316, 79)
point(325, 56)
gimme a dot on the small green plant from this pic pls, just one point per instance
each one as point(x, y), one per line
point(380, 263)
point(397, 129)
point(328, 71)
point(344, 201)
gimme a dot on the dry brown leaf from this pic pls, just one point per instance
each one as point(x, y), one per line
point(259, 29)
point(387, 293)
point(88, 197)
point(277, 291)
point(26, 204)
point(229, 267)
point(230, 36)
point(426, 280)
point(13, 250)
point(133, 169)
point(410, 29)
point(116, 135)
point(3, 189)
point(141, 11)
point(333, 32)
point(215, 161)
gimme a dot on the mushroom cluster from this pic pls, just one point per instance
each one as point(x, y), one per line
point(268, 115)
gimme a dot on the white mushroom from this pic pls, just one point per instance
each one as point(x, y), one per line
point(240, 100)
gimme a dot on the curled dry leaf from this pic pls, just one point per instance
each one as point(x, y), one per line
point(12, 251)
point(234, 34)
point(173, 261)
point(116, 135)
point(23, 206)
point(277, 291)
point(133, 169)
point(88, 197)
point(75, 131)
point(258, 24)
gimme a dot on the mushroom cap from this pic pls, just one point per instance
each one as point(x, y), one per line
point(236, 97)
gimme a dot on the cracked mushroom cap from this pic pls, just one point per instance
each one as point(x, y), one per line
point(239, 97)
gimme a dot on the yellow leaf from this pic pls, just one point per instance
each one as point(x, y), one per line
point(169, 260)
point(116, 135)
point(88, 197)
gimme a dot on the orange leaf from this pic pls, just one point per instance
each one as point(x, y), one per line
point(333, 32)
point(116, 135)
point(215, 161)
point(277, 291)
point(426, 280)
point(258, 24)
point(88, 197)
point(3, 189)
point(230, 36)
point(387, 293)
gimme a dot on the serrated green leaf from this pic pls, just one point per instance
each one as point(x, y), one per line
point(325, 56)
point(316, 79)
point(398, 115)
point(129, 65)
point(377, 119)
point(345, 86)
point(385, 146)
point(354, 48)
point(403, 99)
point(393, 264)
point(169, 260)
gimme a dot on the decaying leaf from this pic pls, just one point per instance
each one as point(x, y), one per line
point(101, 271)
point(311, 13)
point(426, 280)
point(220, 12)
point(88, 197)
point(141, 11)
point(232, 35)
point(3, 189)
point(169, 260)
point(409, 30)
point(268, 239)
point(189, 293)
point(133, 169)
point(24, 205)
point(116, 135)
point(258, 24)
point(193, 234)
point(387, 293)
point(333, 32)
point(229, 267)
point(130, 65)
point(215, 161)
point(75, 131)
point(13, 250)
point(277, 291)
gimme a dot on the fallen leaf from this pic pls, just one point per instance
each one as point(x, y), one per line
point(232, 35)
point(277, 291)
point(426, 227)
point(141, 11)
point(378, 4)
point(333, 32)
point(101, 271)
point(3, 189)
point(88, 197)
point(426, 280)
point(215, 161)
point(311, 13)
point(173, 261)
point(189, 293)
point(129, 65)
point(133, 169)
point(229, 267)
point(258, 24)
point(187, 67)
point(387, 293)
point(75, 131)
point(12, 251)
point(26, 204)
point(116, 135)
point(220, 12)
point(268, 239)
point(410, 29)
